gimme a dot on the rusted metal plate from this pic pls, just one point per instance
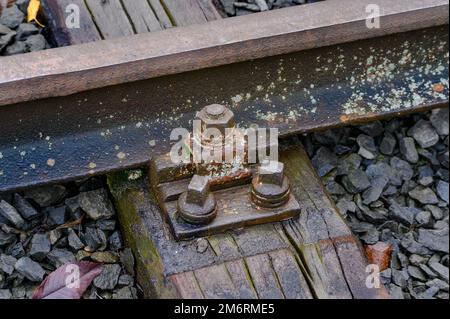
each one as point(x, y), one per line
point(123, 126)
point(64, 71)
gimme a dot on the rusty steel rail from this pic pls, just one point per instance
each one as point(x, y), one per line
point(89, 109)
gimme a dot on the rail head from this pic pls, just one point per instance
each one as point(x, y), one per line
point(69, 70)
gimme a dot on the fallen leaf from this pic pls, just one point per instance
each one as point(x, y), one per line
point(69, 281)
point(379, 254)
point(33, 10)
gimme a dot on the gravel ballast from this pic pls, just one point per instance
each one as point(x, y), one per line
point(243, 7)
point(390, 182)
point(44, 228)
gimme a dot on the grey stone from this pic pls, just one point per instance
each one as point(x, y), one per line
point(18, 47)
point(424, 219)
point(440, 270)
point(115, 241)
point(22, 5)
point(431, 274)
point(434, 239)
point(108, 278)
point(30, 269)
point(16, 250)
point(417, 260)
point(335, 189)
point(412, 246)
point(25, 30)
point(11, 215)
point(400, 278)
point(439, 119)
point(96, 204)
point(388, 144)
point(95, 239)
point(36, 42)
point(402, 214)
point(424, 134)
point(5, 294)
point(58, 257)
point(408, 149)
point(442, 285)
point(228, 6)
point(25, 209)
point(402, 167)
point(54, 235)
point(6, 39)
point(426, 175)
point(356, 181)
point(4, 30)
point(367, 147)
point(416, 273)
point(377, 187)
point(373, 129)
point(106, 224)
point(47, 195)
point(345, 206)
point(40, 246)
point(348, 164)
point(442, 191)
point(126, 280)
point(429, 293)
point(73, 240)
point(12, 17)
point(435, 211)
point(396, 292)
point(7, 264)
point(125, 293)
point(324, 161)
point(382, 169)
point(371, 237)
point(424, 195)
point(57, 215)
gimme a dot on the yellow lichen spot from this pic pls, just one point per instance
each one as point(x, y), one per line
point(92, 165)
point(51, 162)
point(438, 87)
point(121, 156)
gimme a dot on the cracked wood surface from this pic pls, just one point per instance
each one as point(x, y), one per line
point(312, 256)
point(116, 18)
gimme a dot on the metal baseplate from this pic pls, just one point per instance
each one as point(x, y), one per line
point(205, 198)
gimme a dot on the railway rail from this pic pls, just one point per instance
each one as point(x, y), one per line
point(76, 111)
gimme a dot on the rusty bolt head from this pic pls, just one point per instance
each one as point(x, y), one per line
point(198, 190)
point(271, 172)
point(216, 116)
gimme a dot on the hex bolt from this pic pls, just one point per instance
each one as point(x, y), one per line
point(270, 186)
point(217, 116)
point(197, 205)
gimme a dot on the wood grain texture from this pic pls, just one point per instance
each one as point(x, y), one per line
point(110, 18)
point(209, 10)
point(57, 12)
point(160, 13)
point(142, 16)
point(186, 12)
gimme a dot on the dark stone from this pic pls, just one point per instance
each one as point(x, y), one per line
point(5, 294)
point(127, 260)
point(96, 204)
point(435, 239)
point(356, 181)
point(373, 193)
point(439, 120)
point(424, 134)
point(400, 278)
point(404, 215)
point(36, 42)
point(108, 278)
point(95, 239)
point(58, 257)
point(383, 170)
point(47, 195)
point(408, 149)
point(12, 17)
point(115, 241)
point(30, 269)
point(416, 273)
point(412, 246)
point(376, 216)
point(424, 219)
point(106, 224)
point(16, 250)
point(25, 30)
point(348, 164)
point(6, 38)
point(388, 144)
point(23, 5)
point(335, 189)
point(367, 147)
point(425, 175)
point(424, 195)
point(228, 6)
point(25, 208)
point(125, 293)
point(373, 129)
point(11, 215)
point(402, 167)
point(442, 191)
point(73, 240)
point(56, 215)
point(324, 161)
point(40, 246)
point(18, 47)
point(7, 264)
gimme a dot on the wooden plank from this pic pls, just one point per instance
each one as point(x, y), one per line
point(186, 12)
point(57, 12)
point(209, 10)
point(290, 276)
point(215, 283)
point(110, 18)
point(160, 13)
point(187, 285)
point(142, 16)
point(264, 277)
point(241, 279)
